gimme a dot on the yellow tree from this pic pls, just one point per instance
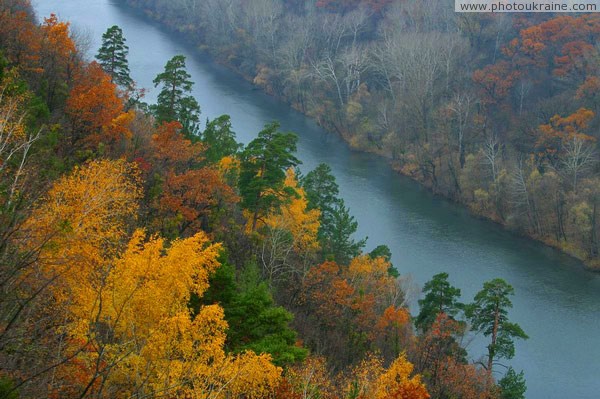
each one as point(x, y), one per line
point(397, 383)
point(81, 223)
point(74, 232)
point(370, 380)
point(119, 324)
point(290, 234)
point(143, 338)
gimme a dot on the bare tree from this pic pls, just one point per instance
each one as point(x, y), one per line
point(354, 64)
point(521, 196)
point(262, 18)
point(523, 88)
point(357, 21)
point(325, 70)
point(491, 154)
point(579, 156)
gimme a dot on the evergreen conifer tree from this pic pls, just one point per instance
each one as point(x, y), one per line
point(112, 55)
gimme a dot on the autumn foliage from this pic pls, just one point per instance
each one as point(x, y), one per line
point(96, 110)
point(143, 260)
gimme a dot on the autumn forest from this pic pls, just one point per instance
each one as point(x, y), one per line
point(146, 253)
point(492, 111)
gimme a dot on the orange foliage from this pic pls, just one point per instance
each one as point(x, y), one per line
point(564, 41)
point(57, 38)
point(95, 109)
point(561, 129)
point(464, 381)
point(172, 151)
point(20, 38)
point(362, 300)
point(589, 89)
point(189, 191)
point(495, 81)
point(193, 193)
point(437, 356)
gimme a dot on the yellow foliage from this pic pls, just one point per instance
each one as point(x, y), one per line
point(124, 309)
point(311, 379)
point(294, 217)
point(364, 377)
point(396, 382)
point(371, 276)
point(229, 164)
point(370, 380)
point(250, 376)
point(80, 224)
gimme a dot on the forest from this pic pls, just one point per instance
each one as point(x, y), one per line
point(146, 255)
point(494, 111)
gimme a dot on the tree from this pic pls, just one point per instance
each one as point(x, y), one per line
point(116, 320)
point(257, 324)
point(112, 55)
point(173, 102)
point(440, 297)
point(397, 383)
point(188, 194)
point(96, 111)
point(353, 309)
point(337, 242)
point(383, 251)
point(512, 385)
point(290, 235)
point(322, 193)
point(58, 54)
point(263, 167)
point(219, 139)
point(321, 190)
point(489, 315)
point(307, 380)
point(337, 225)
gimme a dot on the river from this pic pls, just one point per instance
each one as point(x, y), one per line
point(557, 302)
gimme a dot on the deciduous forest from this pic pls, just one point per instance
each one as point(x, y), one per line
point(495, 111)
point(144, 254)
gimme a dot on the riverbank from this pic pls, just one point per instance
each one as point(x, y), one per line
point(482, 202)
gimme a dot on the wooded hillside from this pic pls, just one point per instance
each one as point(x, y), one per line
point(496, 111)
point(143, 255)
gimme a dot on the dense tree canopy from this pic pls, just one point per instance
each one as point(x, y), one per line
point(476, 107)
point(143, 257)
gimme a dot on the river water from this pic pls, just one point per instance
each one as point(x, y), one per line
point(557, 303)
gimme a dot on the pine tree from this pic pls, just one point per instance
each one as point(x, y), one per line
point(220, 139)
point(440, 297)
point(489, 315)
point(513, 385)
point(337, 224)
point(337, 242)
point(174, 102)
point(264, 163)
point(112, 55)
